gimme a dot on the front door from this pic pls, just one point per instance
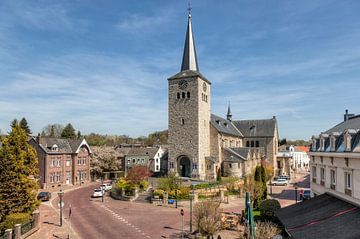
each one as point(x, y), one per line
point(184, 167)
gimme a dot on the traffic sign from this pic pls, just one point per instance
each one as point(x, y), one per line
point(182, 212)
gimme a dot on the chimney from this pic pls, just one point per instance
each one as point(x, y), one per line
point(346, 115)
point(38, 138)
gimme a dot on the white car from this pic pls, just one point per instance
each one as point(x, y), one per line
point(280, 182)
point(98, 192)
point(106, 187)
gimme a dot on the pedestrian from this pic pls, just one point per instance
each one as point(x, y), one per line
point(69, 211)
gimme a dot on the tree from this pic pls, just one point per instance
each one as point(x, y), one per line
point(14, 123)
point(18, 167)
point(24, 125)
point(52, 130)
point(282, 142)
point(207, 216)
point(268, 208)
point(68, 132)
point(137, 174)
point(169, 182)
point(255, 188)
point(79, 136)
point(265, 230)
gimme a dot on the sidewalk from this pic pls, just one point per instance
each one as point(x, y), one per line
point(50, 219)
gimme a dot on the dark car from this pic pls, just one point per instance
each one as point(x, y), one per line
point(44, 196)
point(307, 194)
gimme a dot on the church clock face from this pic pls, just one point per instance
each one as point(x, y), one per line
point(204, 87)
point(182, 84)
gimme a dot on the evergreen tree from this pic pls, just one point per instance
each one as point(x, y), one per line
point(68, 132)
point(14, 123)
point(24, 125)
point(79, 136)
point(18, 167)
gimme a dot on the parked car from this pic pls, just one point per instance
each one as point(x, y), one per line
point(280, 182)
point(287, 177)
point(98, 192)
point(44, 196)
point(307, 194)
point(106, 187)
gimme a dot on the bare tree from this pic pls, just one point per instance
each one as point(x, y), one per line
point(266, 230)
point(208, 217)
point(52, 130)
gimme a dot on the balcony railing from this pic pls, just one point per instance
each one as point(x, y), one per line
point(333, 186)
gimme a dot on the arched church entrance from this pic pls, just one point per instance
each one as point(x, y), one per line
point(184, 166)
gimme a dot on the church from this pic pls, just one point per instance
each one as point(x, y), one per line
point(203, 145)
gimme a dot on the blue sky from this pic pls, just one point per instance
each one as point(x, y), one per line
point(104, 66)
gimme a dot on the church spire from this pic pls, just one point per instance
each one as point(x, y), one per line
point(229, 115)
point(189, 61)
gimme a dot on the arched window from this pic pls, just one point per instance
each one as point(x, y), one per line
point(247, 144)
point(178, 95)
point(252, 144)
point(188, 94)
point(257, 144)
point(183, 95)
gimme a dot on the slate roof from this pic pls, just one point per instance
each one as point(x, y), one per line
point(188, 73)
point(257, 128)
point(143, 151)
point(66, 146)
point(352, 123)
point(224, 126)
point(322, 217)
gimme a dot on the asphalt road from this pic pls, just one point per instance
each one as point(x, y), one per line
point(90, 218)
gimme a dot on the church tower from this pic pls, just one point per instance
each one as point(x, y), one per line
point(189, 115)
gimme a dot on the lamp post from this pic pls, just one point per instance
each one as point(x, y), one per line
point(61, 194)
point(191, 200)
point(296, 188)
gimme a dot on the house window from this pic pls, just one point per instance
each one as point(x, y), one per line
point(332, 177)
point(313, 171)
point(79, 161)
point(171, 165)
point(182, 121)
point(178, 95)
point(183, 95)
point(230, 165)
point(257, 144)
point(134, 161)
point(252, 144)
point(209, 166)
point(322, 176)
point(58, 162)
point(52, 177)
point(138, 161)
point(348, 180)
point(128, 161)
point(68, 162)
point(194, 166)
point(58, 177)
point(247, 144)
point(157, 167)
point(142, 160)
point(188, 94)
point(52, 164)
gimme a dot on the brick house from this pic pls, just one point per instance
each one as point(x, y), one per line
point(62, 161)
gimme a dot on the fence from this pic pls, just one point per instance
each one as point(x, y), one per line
point(24, 230)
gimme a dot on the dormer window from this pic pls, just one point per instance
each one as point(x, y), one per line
point(332, 143)
point(314, 145)
point(226, 124)
point(218, 122)
point(347, 138)
point(55, 148)
point(322, 143)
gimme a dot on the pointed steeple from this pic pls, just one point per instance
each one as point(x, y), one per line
point(189, 61)
point(229, 115)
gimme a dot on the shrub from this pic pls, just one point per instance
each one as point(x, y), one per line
point(159, 192)
point(265, 230)
point(268, 208)
point(13, 219)
point(207, 215)
point(144, 184)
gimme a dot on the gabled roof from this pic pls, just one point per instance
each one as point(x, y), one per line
point(257, 128)
point(143, 151)
point(322, 217)
point(65, 146)
point(224, 126)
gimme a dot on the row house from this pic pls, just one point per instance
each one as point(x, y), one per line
point(62, 161)
point(335, 160)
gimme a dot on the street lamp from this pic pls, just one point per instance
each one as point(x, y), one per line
point(61, 194)
point(296, 188)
